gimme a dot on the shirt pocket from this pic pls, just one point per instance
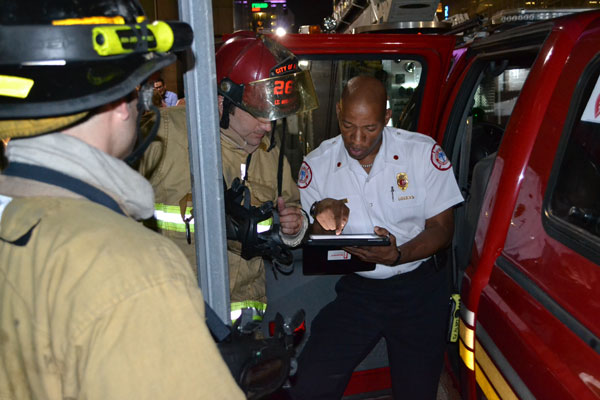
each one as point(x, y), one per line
point(404, 208)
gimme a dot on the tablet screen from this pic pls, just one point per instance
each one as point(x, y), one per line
point(361, 239)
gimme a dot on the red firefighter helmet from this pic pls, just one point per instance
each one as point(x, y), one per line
point(262, 77)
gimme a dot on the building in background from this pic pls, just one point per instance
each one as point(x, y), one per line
point(343, 15)
point(262, 16)
point(356, 16)
point(488, 8)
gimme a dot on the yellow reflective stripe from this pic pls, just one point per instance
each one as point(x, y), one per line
point(466, 344)
point(168, 218)
point(467, 335)
point(264, 226)
point(485, 385)
point(466, 355)
point(173, 226)
point(118, 20)
point(170, 209)
point(15, 86)
point(489, 378)
point(257, 307)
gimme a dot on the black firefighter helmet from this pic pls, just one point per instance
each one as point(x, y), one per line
point(62, 58)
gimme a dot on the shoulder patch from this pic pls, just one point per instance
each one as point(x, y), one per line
point(439, 158)
point(304, 176)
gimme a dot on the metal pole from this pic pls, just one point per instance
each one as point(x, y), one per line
point(205, 158)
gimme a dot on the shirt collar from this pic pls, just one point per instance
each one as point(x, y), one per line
point(386, 153)
point(391, 154)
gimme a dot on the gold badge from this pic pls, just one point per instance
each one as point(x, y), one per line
point(402, 180)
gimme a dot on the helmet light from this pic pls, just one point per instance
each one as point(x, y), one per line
point(109, 40)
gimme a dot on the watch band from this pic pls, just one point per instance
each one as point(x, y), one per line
point(313, 209)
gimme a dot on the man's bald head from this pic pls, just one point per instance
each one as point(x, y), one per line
point(365, 89)
point(362, 116)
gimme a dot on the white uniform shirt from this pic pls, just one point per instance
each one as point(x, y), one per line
point(410, 181)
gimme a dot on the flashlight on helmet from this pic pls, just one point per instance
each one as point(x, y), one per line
point(159, 36)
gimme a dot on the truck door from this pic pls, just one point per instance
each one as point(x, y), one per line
point(413, 68)
point(540, 308)
point(525, 248)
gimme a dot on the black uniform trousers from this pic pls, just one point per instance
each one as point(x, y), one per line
point(409, 310)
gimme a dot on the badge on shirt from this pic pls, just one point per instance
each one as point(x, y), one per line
point(402, 180)
point(304, 176)
point(439, 158)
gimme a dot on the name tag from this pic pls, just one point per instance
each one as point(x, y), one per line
point(337, 255)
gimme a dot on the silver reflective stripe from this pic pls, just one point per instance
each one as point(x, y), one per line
point(264, 226)
point(467, 315)
point(258, 309)
point(168, 217)
point(4, 200)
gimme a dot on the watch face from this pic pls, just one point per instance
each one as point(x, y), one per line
point(313, 209)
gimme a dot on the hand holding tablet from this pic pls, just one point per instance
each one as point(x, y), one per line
point(363, 239)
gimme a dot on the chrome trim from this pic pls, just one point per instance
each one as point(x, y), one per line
point(467, 315)
point(404, 25)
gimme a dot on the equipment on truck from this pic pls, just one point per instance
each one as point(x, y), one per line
point(384, 16)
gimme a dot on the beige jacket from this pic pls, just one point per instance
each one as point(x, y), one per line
point(166, 166)
point(95, 306)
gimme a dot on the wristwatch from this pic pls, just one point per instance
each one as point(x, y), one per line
point(313, 209)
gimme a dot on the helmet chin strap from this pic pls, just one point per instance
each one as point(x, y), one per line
point(273, 126)
point(143, 143)
point(224, 122)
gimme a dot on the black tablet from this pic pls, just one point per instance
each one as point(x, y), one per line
point(362, 239)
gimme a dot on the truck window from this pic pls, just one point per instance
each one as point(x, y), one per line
point(403, 78)
point(493, 103)
point(574, 190)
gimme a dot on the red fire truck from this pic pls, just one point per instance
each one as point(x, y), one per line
point(518, 113)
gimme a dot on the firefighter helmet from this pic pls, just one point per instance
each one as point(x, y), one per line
point(262, 77)
point(61, 58)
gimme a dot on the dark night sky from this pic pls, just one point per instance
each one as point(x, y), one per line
point(310, 12)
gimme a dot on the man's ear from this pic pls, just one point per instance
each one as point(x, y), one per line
point(338, 109)
point(122, 108)
point(388, 115)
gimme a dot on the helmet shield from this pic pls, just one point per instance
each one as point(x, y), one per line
point(280, 96)
point(262, 77)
